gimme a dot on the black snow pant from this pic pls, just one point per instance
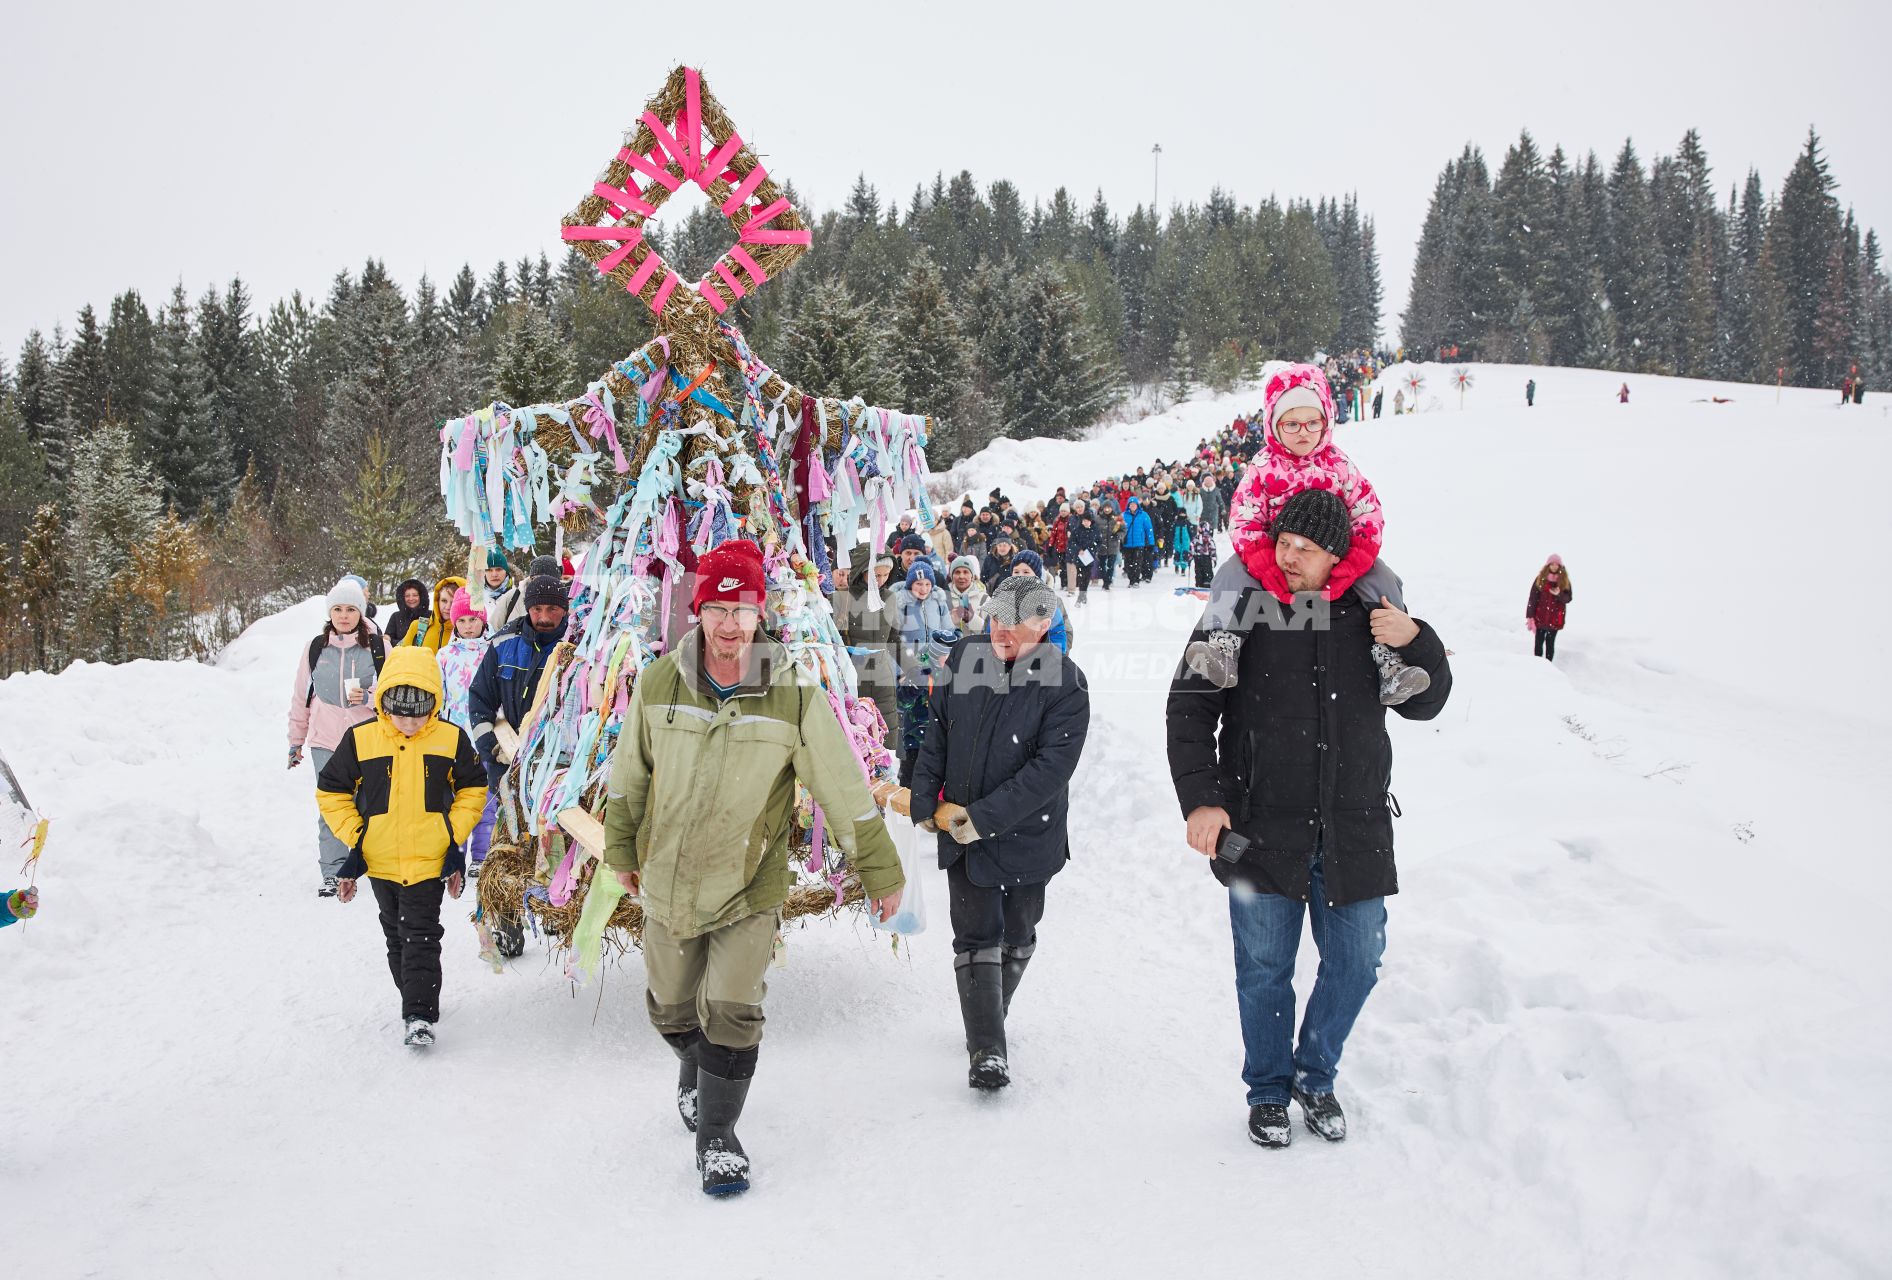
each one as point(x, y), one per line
point(410, 920)
point(1547, 644)
point(989, 917)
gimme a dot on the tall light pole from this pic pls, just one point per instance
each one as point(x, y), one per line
point(1156, 178)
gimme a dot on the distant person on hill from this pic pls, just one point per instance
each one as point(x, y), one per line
point(1301, 459)
point(333, 691)
point(1530, 393)
point(1846, 390)
point(1544, 610)
point(1859, 391)
point(1622, 396)
point(1399, 401)
point(1378, 396)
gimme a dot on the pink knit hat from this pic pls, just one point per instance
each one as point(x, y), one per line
point(1556, 560)
point(462, 606)
point(1296, 386)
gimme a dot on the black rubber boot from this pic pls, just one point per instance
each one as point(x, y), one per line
point(509, 937)
point(684, 1046)
point(1015, 960)
point(981, 979)
point(722, 1086)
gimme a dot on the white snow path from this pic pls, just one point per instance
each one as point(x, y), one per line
point(1611, 1037)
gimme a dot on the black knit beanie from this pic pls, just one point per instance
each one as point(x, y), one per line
point(544, 590)
point(543, 567)
point(1318, 516)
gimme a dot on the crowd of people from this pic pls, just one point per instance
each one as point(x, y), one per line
point(963, 638)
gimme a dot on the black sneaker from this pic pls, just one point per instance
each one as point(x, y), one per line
point(328, 887)
point(1322, 1113)
point(1268, 1125)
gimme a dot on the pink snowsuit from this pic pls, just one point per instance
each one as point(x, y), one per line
point(1275, 475)
point(459, 661)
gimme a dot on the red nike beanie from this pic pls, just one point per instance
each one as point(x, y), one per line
point(731, 572)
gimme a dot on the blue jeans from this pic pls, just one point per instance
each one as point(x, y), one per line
point(1267, 929)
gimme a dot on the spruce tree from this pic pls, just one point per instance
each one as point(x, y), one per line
point(532, 365)
point(1805, 228)
point(1065, 380)
point(45, 586)
point(35, 384)
point(931, 359)
point(179, 434)
point(385, 522)
point(1183, 378)
point(130, 357)
point(23, 481)
point(835, 346)
point(115, 504)
point(84, 385)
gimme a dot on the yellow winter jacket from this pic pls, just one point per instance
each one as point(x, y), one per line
point(403, 806)
point(433, 633)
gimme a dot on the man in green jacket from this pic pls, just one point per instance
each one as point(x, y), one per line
point(700, 808)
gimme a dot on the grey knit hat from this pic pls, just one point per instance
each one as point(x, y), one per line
point(1318, 516)
point(543, 567)
point(1019, 599)
point(546, 591)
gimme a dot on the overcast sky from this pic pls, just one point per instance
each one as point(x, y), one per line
point(151, 142)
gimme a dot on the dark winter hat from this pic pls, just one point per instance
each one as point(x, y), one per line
point(543, 567)
point(546, 590)
point(496, 559)
point(1021, 599)
point(1031, 558)
point(407, 700)
point(913, 542)
point(1318, 516)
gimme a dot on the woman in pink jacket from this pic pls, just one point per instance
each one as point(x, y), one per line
point(333, 692)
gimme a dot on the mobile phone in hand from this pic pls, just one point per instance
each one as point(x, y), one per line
point(1231, 845)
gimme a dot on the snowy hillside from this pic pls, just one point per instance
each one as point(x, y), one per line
point(1632, 1019)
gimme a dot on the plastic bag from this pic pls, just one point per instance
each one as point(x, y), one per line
point(911, 917)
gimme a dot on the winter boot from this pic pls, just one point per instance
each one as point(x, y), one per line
point(509, 936)
point(328, 887)
point(684, 1046)
point(1268, 1125)
point(722, 1086)
point(1322, 1113)
point(1217, 658)
point(1013, 964)
point(1398, 681)
point(981, 979)
point(420, 1033)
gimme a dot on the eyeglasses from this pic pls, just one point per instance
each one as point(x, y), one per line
point(716, 614)
point(1300, 428)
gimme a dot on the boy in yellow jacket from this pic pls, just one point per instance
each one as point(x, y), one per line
point(404, 791)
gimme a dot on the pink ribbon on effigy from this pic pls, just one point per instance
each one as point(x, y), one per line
point(604, 427)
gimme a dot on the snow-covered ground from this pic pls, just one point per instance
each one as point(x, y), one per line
point(1633, 1018)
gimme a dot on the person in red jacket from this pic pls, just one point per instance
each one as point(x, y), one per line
point(1544, 611)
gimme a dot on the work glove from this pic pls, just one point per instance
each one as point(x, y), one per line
point(962, 829)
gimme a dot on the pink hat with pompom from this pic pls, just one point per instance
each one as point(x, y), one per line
point(462, 606)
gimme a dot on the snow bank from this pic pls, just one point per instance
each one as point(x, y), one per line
point(1631, 1020)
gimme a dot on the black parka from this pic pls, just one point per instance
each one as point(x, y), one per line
point(1004, 742)
point(1297, 751)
